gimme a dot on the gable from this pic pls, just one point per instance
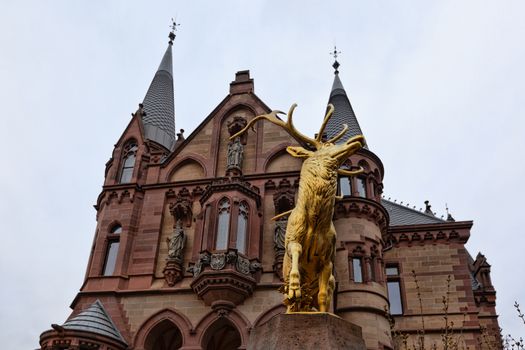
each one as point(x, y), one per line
point(209, 141)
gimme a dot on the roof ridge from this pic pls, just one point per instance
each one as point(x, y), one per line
point(412, 209)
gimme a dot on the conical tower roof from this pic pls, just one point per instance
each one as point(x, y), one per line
point(343, 111)
point(94, 319)
point(159, 120)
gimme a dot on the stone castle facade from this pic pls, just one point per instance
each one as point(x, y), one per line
point(186, 255)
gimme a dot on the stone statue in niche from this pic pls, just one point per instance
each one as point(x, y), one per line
point(176, 243)
point(280, 233)
point(235, 155)
point(181, 210)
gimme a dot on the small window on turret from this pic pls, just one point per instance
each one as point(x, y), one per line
point(361, 187)
point(128, 162)
point(357, 270)
point(345, 186)
point(113, 244)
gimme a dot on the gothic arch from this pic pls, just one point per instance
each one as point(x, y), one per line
point(223, 316)
point(279, 155)
point(186, 160)
point(269, 314)
point(233, 109)
point(160, 320)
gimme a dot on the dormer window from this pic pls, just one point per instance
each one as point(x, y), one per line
point(128, 162)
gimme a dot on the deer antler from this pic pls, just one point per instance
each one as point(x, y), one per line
point(338, 136)
point(288, 126)
point(327, 117)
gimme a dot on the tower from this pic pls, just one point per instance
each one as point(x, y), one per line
point(361, 222)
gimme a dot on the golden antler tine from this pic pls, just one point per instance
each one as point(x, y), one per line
point(341, 134)
point(350, 173)
point(325, 121)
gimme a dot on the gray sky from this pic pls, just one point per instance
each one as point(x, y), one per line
point(437, 88)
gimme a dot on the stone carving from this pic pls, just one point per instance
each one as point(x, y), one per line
point(176, 243)
point(235, 125)
point(218, 261)
point(279, 236)
point(173, 272)
point(181, 209)
point(243, 265)
point(235, 155)
point(221, 261)
point(310, 234)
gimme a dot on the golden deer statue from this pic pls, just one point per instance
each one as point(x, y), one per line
point(310, 234)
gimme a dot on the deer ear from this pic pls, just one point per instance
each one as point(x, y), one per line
point(298, 152)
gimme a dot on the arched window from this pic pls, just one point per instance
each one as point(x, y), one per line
point(128, 162)
point(223, 227)
point(242, 226)
point(113, 240)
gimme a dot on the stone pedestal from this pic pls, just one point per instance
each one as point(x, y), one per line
point(306, 331)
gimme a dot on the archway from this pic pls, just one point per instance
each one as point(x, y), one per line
point(164, 336)
point(221, 335)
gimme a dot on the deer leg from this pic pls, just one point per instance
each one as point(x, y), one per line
point(294, 286)
point(325, 289)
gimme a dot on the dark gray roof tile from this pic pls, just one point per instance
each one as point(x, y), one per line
point(343, 113)
point(159, 121)
point(94, 319)
point(401, 215)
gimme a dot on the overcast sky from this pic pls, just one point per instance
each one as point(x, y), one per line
point(438, 88)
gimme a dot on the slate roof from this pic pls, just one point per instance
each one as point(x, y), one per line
point(343, 113)
point(94, 319)
point(159, 121)
point(401, 215)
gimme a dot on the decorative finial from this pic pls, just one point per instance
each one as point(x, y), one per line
point(449, 216)
point(336, 64)
point(173, 27)
point(427, 209)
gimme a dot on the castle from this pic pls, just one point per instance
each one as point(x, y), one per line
point(186, 256)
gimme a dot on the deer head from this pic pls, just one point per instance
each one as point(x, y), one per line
point(330, 154)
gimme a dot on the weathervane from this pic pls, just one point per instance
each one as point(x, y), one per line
point(336, 64)
point(173, 27)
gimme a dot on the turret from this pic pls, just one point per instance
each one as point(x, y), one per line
point(360, 222)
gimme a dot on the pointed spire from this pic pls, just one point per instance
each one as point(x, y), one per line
point(343, 113)
point(94, 319)
point(159, 117)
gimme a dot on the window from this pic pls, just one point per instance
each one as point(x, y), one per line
point(357, 270)
point(345, 186)
point(394, 290)
point(128, 162)
point(242, 225)
point(223, 229)
point(112, 250)
point(370, 269)
point(361, 187)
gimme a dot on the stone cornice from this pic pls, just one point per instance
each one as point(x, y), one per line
point(458, 231)
point(232, 184)
point(362, 207)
